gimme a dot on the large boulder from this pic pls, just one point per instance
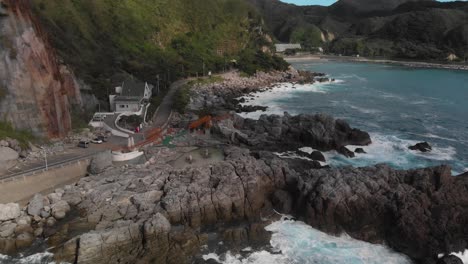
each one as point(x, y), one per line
point(9, 211)
point(60, 209)
point(36, 204)
point(100, 162)
point(423, 147)
point(8, 158)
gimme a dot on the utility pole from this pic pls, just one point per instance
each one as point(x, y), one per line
point(203, 62)
point(45, 158)
point(157, 77)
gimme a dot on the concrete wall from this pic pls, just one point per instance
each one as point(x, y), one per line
point(21, 188)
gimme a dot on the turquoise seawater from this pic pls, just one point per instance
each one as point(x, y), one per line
point(399, 106)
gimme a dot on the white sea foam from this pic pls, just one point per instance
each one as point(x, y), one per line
point(364, 110)
point(39, 258)
point(392, 150)
point(281, 91)
point(462, 255)
point(295, 242)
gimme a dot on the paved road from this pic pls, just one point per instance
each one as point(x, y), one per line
point(74, 154)
point(165, 109)
point(59, 159)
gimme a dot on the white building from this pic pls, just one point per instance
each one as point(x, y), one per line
point(280, 48)
point(131, 96)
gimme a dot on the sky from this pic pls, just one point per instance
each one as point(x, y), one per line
point(322, 2)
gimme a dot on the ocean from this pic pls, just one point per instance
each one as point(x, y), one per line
point(399, 106)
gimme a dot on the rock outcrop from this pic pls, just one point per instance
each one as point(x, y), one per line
point(156, 213)
point(423, 147)
point(100, 162)
point(36, 92)
point(282, 133)
point(223, 95)
point(420, 213)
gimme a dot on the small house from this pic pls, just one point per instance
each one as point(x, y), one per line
point(131, 96)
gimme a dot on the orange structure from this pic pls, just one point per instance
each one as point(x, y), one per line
point(207, 121)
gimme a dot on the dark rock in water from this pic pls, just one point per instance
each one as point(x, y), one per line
point(423, 147)
point(450, 259)
point(303, 165)
point(360, 151)
point(315, 155)
point(419, 213)
point(463, 175)
point(322, 80)
point(282, 133)
point(346, 152)
point(250, 108)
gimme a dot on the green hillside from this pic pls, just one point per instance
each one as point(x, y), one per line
point(169, 38)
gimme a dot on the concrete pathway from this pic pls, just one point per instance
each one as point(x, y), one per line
point(165, 108)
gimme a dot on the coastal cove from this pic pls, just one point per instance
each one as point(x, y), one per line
point(399, 106)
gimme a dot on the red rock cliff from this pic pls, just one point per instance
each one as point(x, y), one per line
point(36, 92)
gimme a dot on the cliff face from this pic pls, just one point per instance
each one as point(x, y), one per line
point(36, 92)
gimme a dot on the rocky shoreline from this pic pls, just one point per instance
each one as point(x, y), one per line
point(160, 212)
point(412, 64)
point(225, 95)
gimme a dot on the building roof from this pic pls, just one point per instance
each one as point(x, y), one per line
point(284, 47)
point(133, 88)
point(134, 99)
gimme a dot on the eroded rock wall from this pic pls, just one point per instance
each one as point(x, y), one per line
point(36, 92)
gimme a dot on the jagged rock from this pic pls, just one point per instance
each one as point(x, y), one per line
point(73, 197)
point(282, 201)
point(7, 229)
point(411, 210)
point(423, 147)
point(346, 152)
point(100, 162)
point(9, 211)
point(147, 199)
point(450, 259)
point(282, 133)
point(8, 158)
point(360, 151)
point(36, 205)
point(54, 197)
point(60, 209)
point(315, 155)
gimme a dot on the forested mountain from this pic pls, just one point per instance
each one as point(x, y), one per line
point(398, 28)
point(169, 38)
